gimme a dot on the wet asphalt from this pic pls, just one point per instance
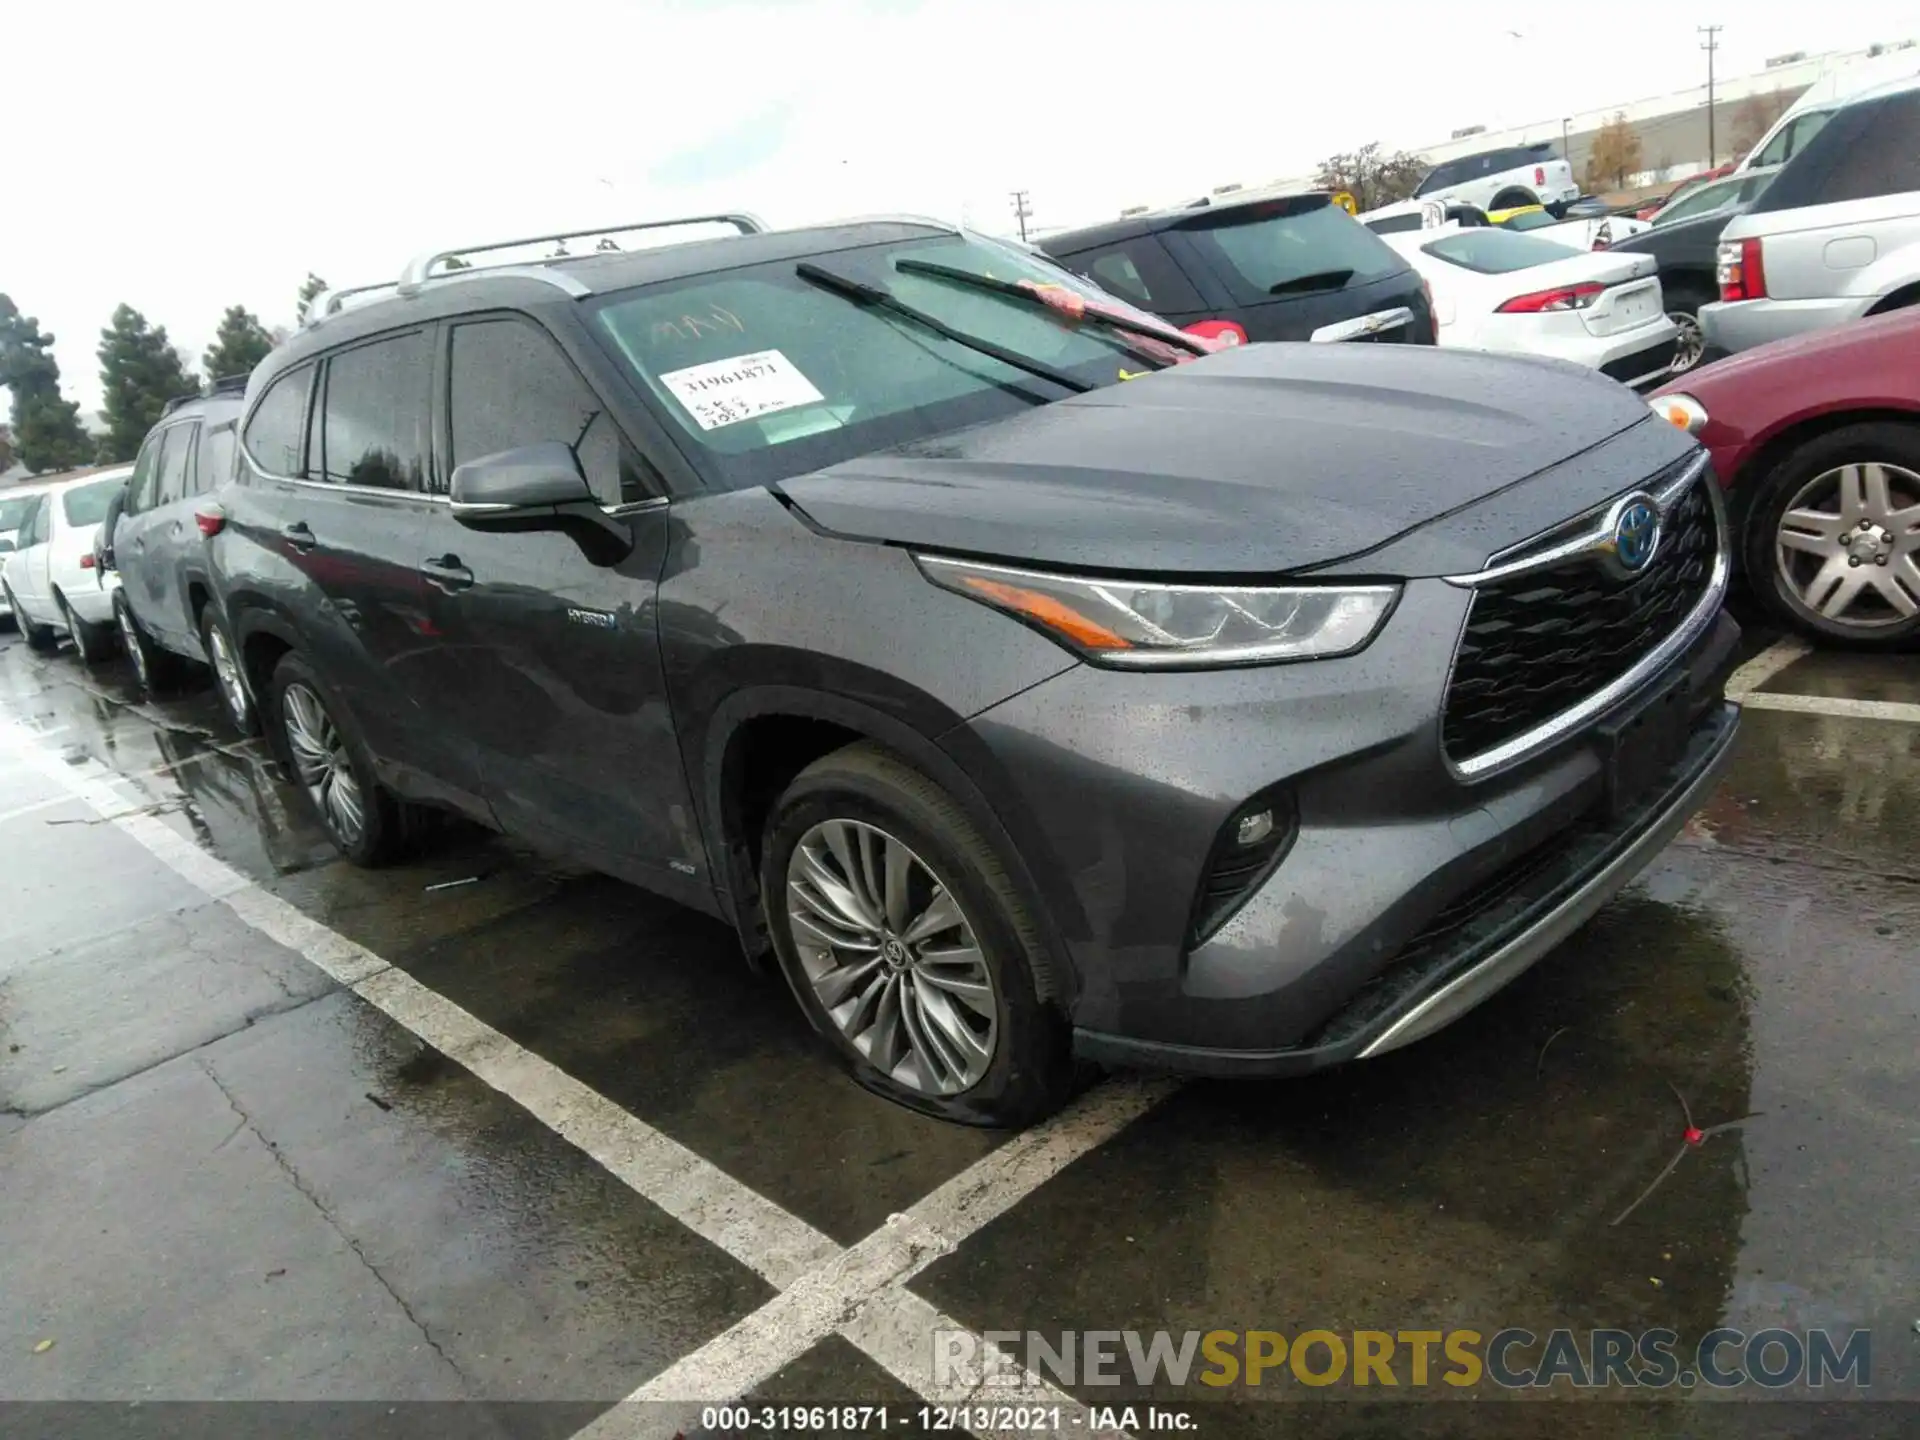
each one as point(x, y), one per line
point(222, 1177)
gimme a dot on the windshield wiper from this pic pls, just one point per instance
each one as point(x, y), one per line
point(862, 293)
point(1013, 288)
point(1319, 280)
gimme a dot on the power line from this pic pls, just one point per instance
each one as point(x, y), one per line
point(1710, 45)
point(1022, 212)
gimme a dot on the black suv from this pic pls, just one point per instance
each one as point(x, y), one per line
point(1293, 267)
point(1025, 679)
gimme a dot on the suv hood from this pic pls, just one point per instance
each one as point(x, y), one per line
point(1259, 459)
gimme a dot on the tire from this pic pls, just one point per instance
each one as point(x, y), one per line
point(229, 677)
point(1817, 481)
point(38, 637)
point(157, 670)
point(94, 642)
point(863, 792)
point(1513, 200)
point(1683, 308)
point(329, 751)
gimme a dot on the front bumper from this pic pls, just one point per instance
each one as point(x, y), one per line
point(1482, 941)
point(1743, 324)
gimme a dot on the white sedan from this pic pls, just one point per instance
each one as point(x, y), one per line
point(50, 580)
point(1495, 289)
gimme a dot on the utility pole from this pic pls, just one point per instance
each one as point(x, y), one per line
point(1710, 44)
point(1021, 212)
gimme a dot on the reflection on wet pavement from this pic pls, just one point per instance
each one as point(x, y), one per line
point(362, 1217)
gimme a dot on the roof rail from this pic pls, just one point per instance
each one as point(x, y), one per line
point(328, 302)
point(420, 269)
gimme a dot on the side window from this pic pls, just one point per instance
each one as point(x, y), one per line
point(213, 462)
point(145, 468)
point(509, 385)
point(1883, 160)
point(175, 464)
point(373, 428)
point(1142, 272)
point(276, 432)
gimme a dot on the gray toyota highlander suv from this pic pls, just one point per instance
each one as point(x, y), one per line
point(1027, 679)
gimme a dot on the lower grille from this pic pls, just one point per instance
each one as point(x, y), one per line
point(1538, 643)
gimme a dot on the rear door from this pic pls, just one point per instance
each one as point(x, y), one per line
point(1844, 218)
point(342, 504)
point(555, 674)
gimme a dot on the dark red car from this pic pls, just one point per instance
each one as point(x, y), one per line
point(1817, 441)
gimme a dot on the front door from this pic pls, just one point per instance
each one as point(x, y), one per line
point(558, 679)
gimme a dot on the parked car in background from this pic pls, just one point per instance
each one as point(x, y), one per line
point(48, 578)
point(1527, 295)
point(1818, 103)
point(17, 502)
point(1501, 179)
point(1288, 267)
point(1405, 215)
point(163, 610)
point(1591, 233)
point(1686, 244)
point(1817, 440)
point(1835, 236)
point(1679, 192)
point(842, 583)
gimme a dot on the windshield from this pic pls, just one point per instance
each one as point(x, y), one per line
point(1498, 252)
point(1291, 247)
point(87, 504)
point(13, 512)
point(766, 373)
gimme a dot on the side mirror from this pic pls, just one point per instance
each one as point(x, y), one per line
point(515, 482)
point(538, 487)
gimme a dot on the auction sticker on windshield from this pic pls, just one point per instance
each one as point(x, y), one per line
point(725, 392)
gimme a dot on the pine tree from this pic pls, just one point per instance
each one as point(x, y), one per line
point(140, 372)
point(239, 344)
point(309, 292)
point(47, 434)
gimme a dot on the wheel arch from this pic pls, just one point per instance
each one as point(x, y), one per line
point(1899, 300)
point(1512, 197)
point(760, 737)
point(262, 636)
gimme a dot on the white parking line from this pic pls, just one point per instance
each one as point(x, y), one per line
point(1835, 706)
point(856, 1292)
point(1764, 666)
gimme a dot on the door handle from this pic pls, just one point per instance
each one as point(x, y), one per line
point(298, 535)
point(446, 573)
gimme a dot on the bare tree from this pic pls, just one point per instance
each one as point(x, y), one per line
point(1756, 116)
point(1372, 177)
point(1615, 154)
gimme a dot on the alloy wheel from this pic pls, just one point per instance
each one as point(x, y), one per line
point(226, 669)
point(1848, 546)
point(321, 763)
point(1689, 345)
point(892, 957)
point(130, 642)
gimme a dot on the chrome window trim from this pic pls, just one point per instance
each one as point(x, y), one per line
point(1550, 732)
point(631, 507)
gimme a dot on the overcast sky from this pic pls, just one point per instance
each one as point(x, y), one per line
point(342, 137)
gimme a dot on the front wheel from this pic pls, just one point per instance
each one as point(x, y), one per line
point(38, 637)
point(1833, 537)
point(907, 945)
point(227, 673)
point(155, 668)
point(328, 762)
point(94, 642)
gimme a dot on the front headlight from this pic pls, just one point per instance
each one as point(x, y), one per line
point(1138, 624)
point(1682, 411)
